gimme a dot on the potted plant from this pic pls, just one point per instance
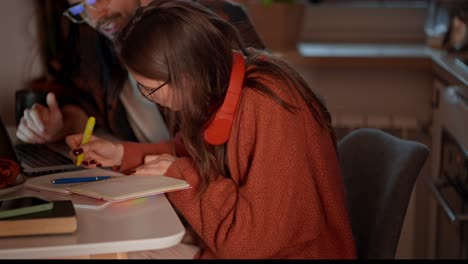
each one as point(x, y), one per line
point(269, 2)
point(279, 22)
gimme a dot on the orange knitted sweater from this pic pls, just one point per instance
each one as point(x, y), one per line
point(285, 197)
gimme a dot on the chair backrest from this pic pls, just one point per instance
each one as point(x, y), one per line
point(379, 173)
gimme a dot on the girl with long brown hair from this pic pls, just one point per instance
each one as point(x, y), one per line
point(249, 135)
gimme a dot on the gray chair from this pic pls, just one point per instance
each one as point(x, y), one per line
point(379, 172)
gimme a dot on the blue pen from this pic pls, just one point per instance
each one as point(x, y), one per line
point(79, 179)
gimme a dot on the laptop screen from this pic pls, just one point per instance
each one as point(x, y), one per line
point(6, 147)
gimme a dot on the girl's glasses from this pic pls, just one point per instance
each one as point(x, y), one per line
point(147, 92)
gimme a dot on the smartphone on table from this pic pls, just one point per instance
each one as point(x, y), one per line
point(23, 205)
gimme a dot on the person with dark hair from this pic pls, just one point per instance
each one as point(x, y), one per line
point(247, 133)
point(93, 83)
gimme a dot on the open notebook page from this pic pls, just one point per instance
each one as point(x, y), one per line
point(44, 182)
point(129, 187)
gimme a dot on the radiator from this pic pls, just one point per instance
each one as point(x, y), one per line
point(399, 126)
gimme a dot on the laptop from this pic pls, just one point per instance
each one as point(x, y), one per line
point(38, 159)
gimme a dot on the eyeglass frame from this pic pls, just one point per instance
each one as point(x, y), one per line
point(141, 87)
point(83, 3)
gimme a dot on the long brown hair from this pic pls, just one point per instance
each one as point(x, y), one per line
point(185, 43)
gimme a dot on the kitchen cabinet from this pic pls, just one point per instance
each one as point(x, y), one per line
point(448, 226)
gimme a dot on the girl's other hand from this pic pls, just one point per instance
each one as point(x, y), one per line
point(155, 165)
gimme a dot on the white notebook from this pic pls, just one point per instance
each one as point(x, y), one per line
point(118, 188)
point(44, 182)
point(129, 187)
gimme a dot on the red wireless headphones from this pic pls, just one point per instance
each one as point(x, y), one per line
point(219, 129)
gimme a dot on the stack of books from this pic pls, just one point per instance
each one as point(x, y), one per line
point(59, 220)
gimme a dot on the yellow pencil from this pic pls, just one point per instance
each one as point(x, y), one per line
point(86, 136)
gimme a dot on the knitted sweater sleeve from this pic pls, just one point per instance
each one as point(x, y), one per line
point(262, 209)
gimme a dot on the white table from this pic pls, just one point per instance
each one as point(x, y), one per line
point(141, 224)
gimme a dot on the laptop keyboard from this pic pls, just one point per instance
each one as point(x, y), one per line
point(36, 155)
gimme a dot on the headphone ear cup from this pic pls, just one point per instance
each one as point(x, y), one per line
point(218, 131)
point(219, 128)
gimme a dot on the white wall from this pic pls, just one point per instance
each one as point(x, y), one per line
point(19, 52)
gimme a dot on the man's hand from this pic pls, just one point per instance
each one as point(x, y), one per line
point(41, 124)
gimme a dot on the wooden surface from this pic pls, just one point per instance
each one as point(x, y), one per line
point(342, 56)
